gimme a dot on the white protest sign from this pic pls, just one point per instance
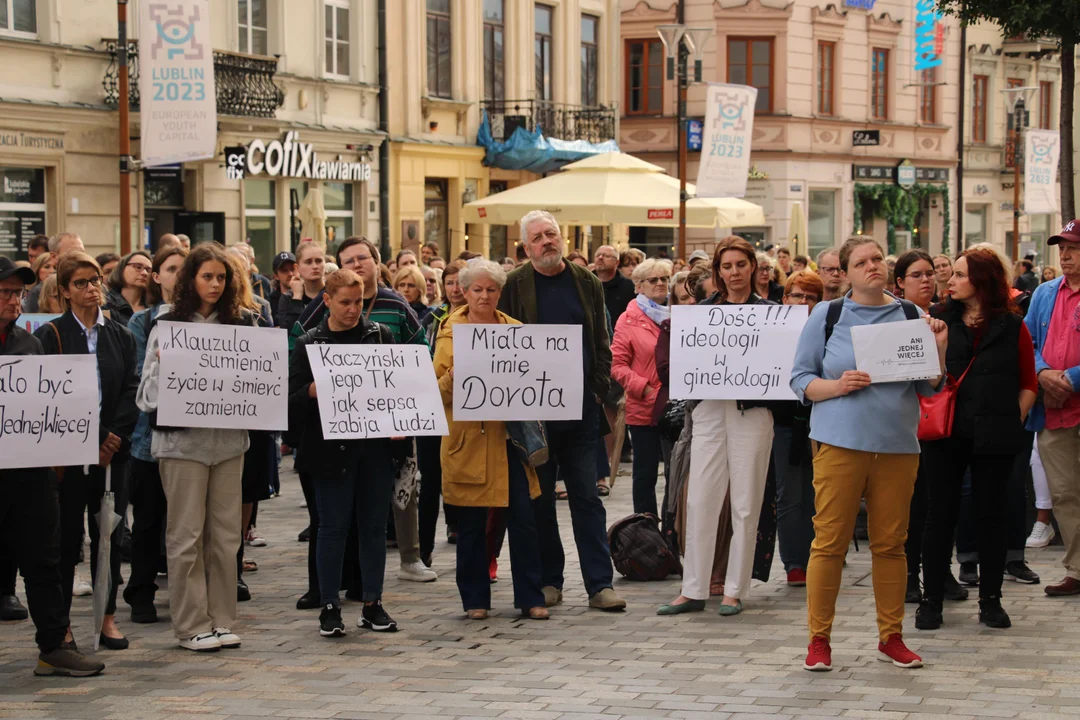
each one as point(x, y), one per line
point(725, 144)
point(518, 372)
point(1042, 150)
point(373, 391)
point(48, 410)
point(896, 351)
point(223, 376)
point(734, 352)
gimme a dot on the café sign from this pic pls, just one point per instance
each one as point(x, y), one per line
point(289, 157)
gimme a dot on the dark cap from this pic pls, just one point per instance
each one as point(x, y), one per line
point(283, 257)
point(1069, 233)
point(8, 268)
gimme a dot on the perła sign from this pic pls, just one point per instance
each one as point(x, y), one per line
point(290, 158)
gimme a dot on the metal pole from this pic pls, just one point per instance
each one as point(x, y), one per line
point(681, 134)
point(1018, 158)
point(125, 133)
point(960, 146)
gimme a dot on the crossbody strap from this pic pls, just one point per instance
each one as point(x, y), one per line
point(58, 341)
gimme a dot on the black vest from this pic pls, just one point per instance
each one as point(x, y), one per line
point(987, 402)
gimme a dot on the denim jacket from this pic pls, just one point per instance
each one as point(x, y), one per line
point(139, 325)
point(1038, 317)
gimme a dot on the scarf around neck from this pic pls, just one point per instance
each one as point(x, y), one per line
point(656, 312)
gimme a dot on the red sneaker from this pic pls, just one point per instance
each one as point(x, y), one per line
point(819, 655)
point(796, 577)
point(895, 651)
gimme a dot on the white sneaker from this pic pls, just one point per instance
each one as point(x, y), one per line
point(205, 642)
point(81, 588)
point(227, 638)
point(254, 539)
point(1041, 535)
point(416, 572)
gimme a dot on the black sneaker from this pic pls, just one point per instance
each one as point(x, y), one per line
point(1019, 571)
point(914, 592)
point(928, 616)
point(991, 614)
point(451, 535)
point(969, 574)
point(955, 591)
point(66, 661)
point(373, 617)
point(243, 594)
point(330, 624)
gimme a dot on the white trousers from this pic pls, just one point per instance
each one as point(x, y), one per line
point(729, 452)
point(1038, 477)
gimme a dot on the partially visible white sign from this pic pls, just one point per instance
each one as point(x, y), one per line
point(1042, 149)
point(896, 351)
point(725, 149)
point(48, 410)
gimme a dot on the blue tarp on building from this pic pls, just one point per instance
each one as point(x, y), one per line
point(532, 151)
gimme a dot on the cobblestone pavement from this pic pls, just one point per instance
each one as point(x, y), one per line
point(582, 664)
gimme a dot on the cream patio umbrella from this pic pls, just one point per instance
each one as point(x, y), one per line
point(797, 228)
point(313, 217)
point(612, 188)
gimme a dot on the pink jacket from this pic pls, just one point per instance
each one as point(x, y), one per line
point(633, 362)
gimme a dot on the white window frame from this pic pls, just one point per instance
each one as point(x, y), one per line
point(10, 31)
point(350, 188)
point(246, 26)
point(330, 34)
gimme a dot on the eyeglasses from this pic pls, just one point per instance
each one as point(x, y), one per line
point(926, 274)
point(803, 297)
point(654, 280)
point(355, 260)
point(140, 267)
point(82, 283)
point(7, 293)
point(829, 270)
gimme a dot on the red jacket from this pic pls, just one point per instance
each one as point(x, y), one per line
point(633, 363)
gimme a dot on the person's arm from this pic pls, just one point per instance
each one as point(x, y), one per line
point(444, 367)
point(127, 412)
point(601, 341)
point(411, 332)
point(137, 325)
point(147, 396)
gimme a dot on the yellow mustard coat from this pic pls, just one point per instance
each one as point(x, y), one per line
point(474, 457)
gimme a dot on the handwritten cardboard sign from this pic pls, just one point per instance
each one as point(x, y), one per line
point(518, 372)
point(896, 351)
point(48, 410)
point(734, 352)
point(372, 391)
point(223, 376)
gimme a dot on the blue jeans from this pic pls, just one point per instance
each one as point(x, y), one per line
point(646, 442)
point(473, 581)
point(572, 448)
point(366, 485)
point(794, 501)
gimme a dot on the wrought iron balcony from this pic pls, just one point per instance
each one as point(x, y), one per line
point(245, 83)
point(555, 120)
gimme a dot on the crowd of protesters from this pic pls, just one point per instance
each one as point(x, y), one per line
point(801, 472)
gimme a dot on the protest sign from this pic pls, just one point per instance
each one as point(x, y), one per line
point(48, 410)
point(518, 372)
point(734, 352)
point(223, 376)
point(896, 351)
point(30, 322)
point(373, 391)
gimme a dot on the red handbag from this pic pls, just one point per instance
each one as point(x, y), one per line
point(936, 412)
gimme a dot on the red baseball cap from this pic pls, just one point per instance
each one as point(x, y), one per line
point(1069, 233)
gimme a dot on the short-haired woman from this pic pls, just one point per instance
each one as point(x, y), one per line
point(860, 455)
point(83, 329)
point(410, 284)
point(633, 366)
point(768, 280)
point(127, 283)
point(628, 260)
point(482, 468)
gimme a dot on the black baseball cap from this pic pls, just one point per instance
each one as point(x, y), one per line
point(283, 257)
point(1069, 233)
point(8, 268)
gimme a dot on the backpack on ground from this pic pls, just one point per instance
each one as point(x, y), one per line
point(639, 551)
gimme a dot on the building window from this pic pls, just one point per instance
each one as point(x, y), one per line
point(975, 227)
point(18, 17)
point(825, 77)
point(590, 58)
point(337, 37)
point(252, 26)
point(750, 62)
point(543, 48)
point(437, 214)
point(644, 77)
point(338, 201)
point(978, 120)
point(494, 64)
point(260, 218)
point(1046, 104)
point(879, 85)
point(22, 197)
point(928, 96)
point(438, 48)
point(821, 228)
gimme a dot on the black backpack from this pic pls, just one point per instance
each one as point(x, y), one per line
point(638, 549)
point(836, 307)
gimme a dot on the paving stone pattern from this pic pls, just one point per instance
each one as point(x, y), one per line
point(581, 665)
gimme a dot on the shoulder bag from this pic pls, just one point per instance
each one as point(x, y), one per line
point(936, 413)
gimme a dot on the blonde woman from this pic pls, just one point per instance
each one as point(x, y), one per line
point(409, 282)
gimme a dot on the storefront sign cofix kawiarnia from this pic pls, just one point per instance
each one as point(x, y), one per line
point(289, 157)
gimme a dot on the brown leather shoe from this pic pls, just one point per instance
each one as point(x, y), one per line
point(1068, 586)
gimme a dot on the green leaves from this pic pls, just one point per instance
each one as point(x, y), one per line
point(899, 206)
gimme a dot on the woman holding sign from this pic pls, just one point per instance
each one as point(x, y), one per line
point(84, 329)
point(201, 468)
point(859, 455)
point(483, 469)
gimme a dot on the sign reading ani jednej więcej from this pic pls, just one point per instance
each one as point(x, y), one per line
point(223, 376)
point(896, 351)
point(734, 352)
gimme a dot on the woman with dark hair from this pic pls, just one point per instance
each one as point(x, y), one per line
point(127, 283)
point(108, 262)
point(201, 468)
point(576, 257)
point(729, 456)
point(83, 329)
point(992, 358)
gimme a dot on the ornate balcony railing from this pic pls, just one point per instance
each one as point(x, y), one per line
point(245, 83)
point(556, 120)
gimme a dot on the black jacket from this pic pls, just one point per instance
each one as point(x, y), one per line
point(116, 368)
point(288, 310)
point(119, 308)
point(20, 342)
point(315, 454)
point(618, 292)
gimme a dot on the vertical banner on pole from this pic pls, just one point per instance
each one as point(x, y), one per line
point(176, 82)
point(725, 148)
point(1042, 149)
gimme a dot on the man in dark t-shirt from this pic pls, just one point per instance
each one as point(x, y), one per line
point(618, 289)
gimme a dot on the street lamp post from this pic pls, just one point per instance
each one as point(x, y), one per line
point(1017, 123)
